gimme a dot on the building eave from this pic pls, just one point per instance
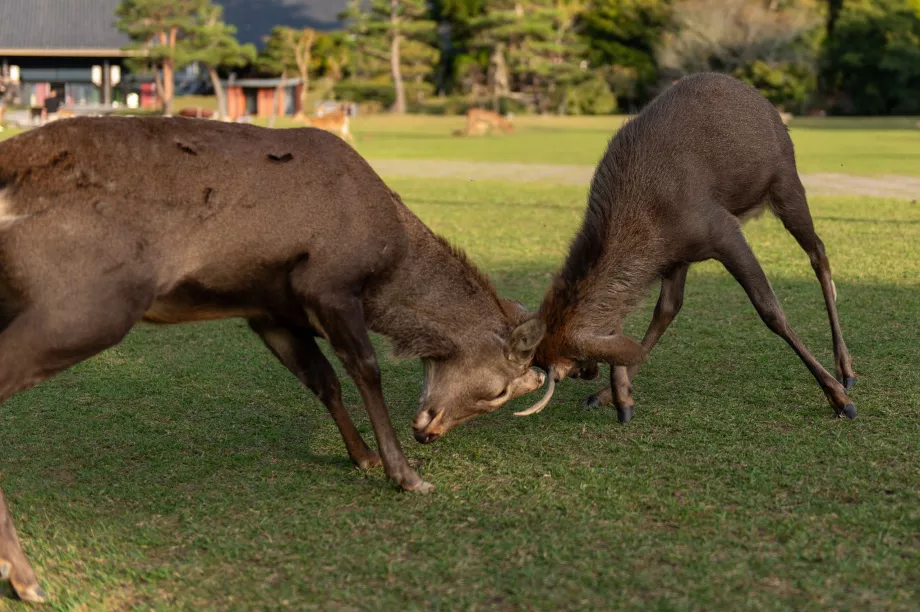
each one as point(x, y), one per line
point(67, 53)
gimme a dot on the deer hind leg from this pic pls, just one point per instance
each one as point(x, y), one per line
point(670, 301)
point(737, 257)
point(298, 351)
point(39, 343)
point(788, 198)
point(341, 314)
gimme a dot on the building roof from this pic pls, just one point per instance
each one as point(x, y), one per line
point(256, 82)
point(254, 19)
point(87, 27)
point(79, 27)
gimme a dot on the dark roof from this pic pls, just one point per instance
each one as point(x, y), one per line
point(59, 24)
point(254, 19)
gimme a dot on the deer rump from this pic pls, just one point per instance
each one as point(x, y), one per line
point(673, 188)
point(105, 222)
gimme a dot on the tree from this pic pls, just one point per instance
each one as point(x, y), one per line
point(872, 61)
point(291, 51)
point(398, 34)
point(156, 28)
point(771, 46)
point(625, 33)
point(213, 42)
point(536, 42)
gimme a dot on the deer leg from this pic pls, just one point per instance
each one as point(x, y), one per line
point(298, 351)
point(341, 315)
point(36, 345)
point(737, 257)
point(670, 301)
point(792, 208)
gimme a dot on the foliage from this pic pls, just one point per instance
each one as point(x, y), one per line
point(533, 47)
point(625, 33)
point(158, 30)
point(396, 37)
point(775, 49)
point(872, 60)
point(590, 97)
point(212, 41)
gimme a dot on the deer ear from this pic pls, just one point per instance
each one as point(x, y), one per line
point(616, 349)
point(524, 340)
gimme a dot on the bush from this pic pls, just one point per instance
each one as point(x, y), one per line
point(592, 97)
point(872, 59)
point(786, 84)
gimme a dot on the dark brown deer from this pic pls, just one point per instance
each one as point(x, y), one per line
point(107, 222)
point(673, 188)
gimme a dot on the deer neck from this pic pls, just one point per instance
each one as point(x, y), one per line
point(434, 301)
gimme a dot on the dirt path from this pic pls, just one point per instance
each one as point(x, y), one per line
point(825, 183)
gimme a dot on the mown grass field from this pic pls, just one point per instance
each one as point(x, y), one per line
point(186, 469)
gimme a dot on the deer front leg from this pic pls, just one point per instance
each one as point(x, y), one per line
point(341, 316)
point(670, 301)
point(298, 351)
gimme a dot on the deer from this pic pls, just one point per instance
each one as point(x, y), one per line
point(673, 188)
point(108, 222)
point(480, 121)
point(335, 121)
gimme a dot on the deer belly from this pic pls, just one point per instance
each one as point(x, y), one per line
point(167, 311)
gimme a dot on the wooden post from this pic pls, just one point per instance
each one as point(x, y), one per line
point(106, 83)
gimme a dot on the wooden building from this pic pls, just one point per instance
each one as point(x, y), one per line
point(256, 97)
point(72, 46)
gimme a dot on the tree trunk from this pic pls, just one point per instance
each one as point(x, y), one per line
point(276, 103)
point(219, 92)
point(158, 83)
point(305, 88)
point(169, 86)
point(399, 106)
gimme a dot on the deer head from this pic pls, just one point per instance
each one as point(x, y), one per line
point(478, 380)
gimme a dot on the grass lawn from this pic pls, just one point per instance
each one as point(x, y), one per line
point(187, 469)
point(851, 146)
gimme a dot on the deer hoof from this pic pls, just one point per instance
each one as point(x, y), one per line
point(591, 402)
point(624, 414)
point(421, 487)
point(32, 594)
point(368, 462)
point(848, 383)
point(849, 411)
point(5, 570)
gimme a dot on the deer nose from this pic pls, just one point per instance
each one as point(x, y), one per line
point(426, 438)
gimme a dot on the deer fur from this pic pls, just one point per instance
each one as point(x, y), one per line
point(673, 188)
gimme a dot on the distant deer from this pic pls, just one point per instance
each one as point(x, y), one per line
point(334, 121)
point(106, 222)
point(673, 188)
point(480, 122)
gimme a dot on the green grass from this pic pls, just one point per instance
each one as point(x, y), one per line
point(852, 146)
point(187, 469)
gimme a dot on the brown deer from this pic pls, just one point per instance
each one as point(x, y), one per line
point(480, 121)
point(196, 112)
point(673, 188)
point(335, 121)
point(106, 222)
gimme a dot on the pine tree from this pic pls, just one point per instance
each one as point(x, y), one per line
point(397, 34)
point(157, 29)
point(290, 51)
point(213, 42)
point(537, 41)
